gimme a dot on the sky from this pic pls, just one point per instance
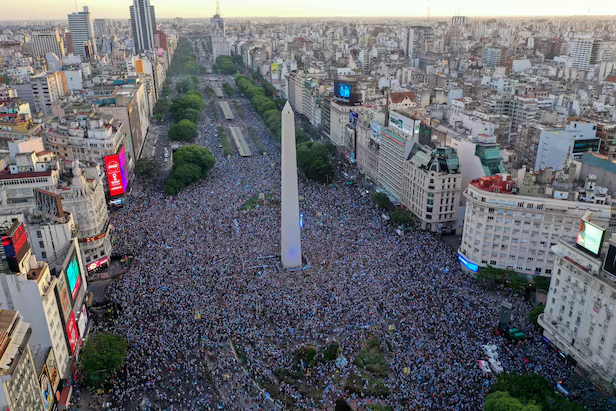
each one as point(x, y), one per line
point(118, 9)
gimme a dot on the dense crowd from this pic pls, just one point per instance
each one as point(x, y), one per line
point(207, 274)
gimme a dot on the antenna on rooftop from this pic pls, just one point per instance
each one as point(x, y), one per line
point(218, 8)
point(76, 8)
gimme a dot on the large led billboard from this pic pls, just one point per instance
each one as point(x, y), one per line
point(15, 244)
point(114, 175)
point(123, 166)
point(73, 274)
point(590, 237)
point(344, 92)
point(72, 332)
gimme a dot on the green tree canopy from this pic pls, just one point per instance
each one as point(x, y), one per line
point(226, 65)
point(382, 201)
point(313, 160)
point(189, 114)
point(190, 163)
point(144, 168)
point(227, 89)
point(401, 217)
point(502, 401)
point(193, 100)
point(101, 356)
point(534, 314)
point(185, 130)
point(533, 389)
point(161, 106)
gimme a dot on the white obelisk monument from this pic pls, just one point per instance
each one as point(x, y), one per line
point(290, 246)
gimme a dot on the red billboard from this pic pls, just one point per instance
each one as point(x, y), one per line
point(72, 332)
point(15, 244)
point(114, 175)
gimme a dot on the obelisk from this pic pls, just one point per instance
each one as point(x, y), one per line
point(290, 246)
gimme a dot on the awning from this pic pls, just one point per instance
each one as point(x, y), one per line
point(65, 398)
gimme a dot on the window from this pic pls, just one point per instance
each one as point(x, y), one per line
point(44, 254)
point(39, 234)
point(41, 244)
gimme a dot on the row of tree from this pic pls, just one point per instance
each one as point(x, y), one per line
point(264, 105)
point(190, 164)
point(184, 60)
point(228, 64)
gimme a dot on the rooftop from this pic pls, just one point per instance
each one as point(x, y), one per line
point(6, 174)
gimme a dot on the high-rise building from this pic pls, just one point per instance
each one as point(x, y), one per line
point(82, 32)
point(101, 27)
point(459, 20)
point(220, 44)
point(584, 51)
point(47, 41)
point(493, 57)
point(47, 88)
point(143, 24)
point(417, 40)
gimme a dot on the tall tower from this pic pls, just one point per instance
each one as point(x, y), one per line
point(82, 32)
point(143, 24)
point(290, 245)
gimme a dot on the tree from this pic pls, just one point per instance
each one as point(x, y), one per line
point(401, 218)
point(190, 163)
point(161, 106)
point(144, 168)
point(197, 155)
point(382, 201)
point(534, 314)
point(228, 89)
point(189, 114)
point(313, 160)
point(102, 355)
point(502, 401)
point(342, 405)
point(533, 389)
point(185, 130)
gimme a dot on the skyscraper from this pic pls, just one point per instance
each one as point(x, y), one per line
point(82, 31)
point(220, 45)
point(47, 41)
point(584, 51)
point(143, 23)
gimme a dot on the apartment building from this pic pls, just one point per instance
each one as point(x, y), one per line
point(606, 132)
point(494, 57)
point(87, 137)
point(16, 122)
point(430, 187)
point(83, 38)
point(47, 89)
point(540, 146)
point(584, 51)
point(20, 389)
point(513, 223)
point(47, 41)
point(579, 314)
point(368, 129)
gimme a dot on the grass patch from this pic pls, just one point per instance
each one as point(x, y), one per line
point(241, 354)
point(224, 140)
point(255, 139)
point(379, 407)
point(371, 359)
point(254, 201)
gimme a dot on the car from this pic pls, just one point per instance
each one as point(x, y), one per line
point(490, 351)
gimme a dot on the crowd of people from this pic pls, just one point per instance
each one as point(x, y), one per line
point(207, 277)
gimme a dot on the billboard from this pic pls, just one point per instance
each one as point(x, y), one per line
point(402, 123)
point(425, 134)
point(590, 237)
point(64, 301)
point(123, 166)
point(52, 370)
point(274, 69)
point(47, 392)
point(114, 175)
point(15, 244)
point(73, 274)
point(350, 143)
point(344, 92)
point(72, 333)
point(609, 264)
point(82, 321)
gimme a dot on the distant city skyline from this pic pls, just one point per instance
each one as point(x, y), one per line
point(118, 9)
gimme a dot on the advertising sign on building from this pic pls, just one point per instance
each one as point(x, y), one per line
point(52, 370)
point(353, 117)
point(114, 175)
point(274, 69)
point(82, 321)
point(72, 333)
point(47, 393)
point(402, 123)
point(15, 244)
point(73, 274)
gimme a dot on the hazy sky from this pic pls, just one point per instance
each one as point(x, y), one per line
point(118, 9)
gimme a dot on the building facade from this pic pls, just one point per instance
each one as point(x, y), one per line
point(82, 33)
point(509, 227)
point(579, 314)
point(47, 41)
point(143, 24)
